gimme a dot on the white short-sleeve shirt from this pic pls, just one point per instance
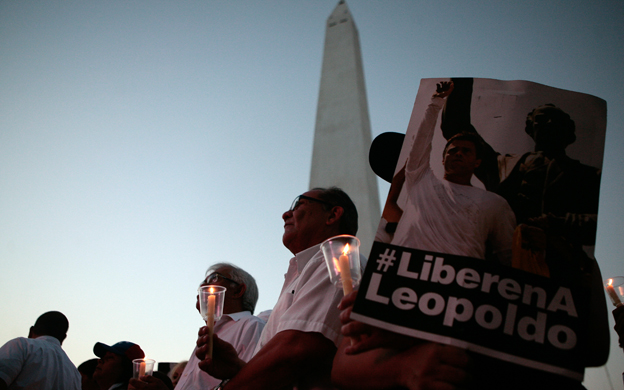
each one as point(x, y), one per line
point(39, 364)
point(242, 330)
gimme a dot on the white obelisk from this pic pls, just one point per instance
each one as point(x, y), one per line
point(342, 135)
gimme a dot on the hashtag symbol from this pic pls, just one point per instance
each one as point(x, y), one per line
point(386, 260)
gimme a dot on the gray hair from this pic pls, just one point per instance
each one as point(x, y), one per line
point(239, 275)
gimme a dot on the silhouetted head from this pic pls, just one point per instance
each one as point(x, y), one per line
point(550, 127)
point(52, 323)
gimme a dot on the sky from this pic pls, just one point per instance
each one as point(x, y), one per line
point(142, 141)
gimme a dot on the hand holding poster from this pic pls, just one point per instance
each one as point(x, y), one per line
point(487, 234)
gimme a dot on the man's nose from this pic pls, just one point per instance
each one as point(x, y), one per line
point(286, 215)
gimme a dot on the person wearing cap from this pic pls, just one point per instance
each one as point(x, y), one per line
point(114, 369)
point(39, 362)
point(299, 341)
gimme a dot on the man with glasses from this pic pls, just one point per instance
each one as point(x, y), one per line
point(298, 343)
point(238, 326)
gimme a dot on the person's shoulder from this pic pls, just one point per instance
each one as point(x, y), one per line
point(251, 319)
point(311, 258)
point(49, 341)
point(16, 342)
point(587, 170)
point(486, 194)
point(493, 199)
point(246, 319)
point(577, 167)
point(264, 315)
point(248, 324)
point(18, 346)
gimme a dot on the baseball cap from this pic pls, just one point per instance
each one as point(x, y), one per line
point(123, 348)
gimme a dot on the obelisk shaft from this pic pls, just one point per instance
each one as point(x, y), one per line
point(342, 134)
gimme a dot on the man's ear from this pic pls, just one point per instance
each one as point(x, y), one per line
point(334, 215)
point(477, 163)
point(240, 291)
point(31, 333)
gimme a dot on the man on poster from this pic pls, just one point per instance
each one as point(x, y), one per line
point(450, 215)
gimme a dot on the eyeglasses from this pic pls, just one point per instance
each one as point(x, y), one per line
point(214, 278)
point(297, 202)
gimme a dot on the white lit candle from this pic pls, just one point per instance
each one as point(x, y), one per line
point(210, 319)
point(345, 271)
point(142, 369)
point(212, 299)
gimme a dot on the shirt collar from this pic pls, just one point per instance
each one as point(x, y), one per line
point(50, 339)
point(238, 315)
point(302, 258)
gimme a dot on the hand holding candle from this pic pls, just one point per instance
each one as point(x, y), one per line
point(211, 298)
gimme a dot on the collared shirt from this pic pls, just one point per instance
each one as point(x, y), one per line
point(39, 364)
point(242, 330)
point(308, 303)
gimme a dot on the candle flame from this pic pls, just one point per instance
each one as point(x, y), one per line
point(610, 282)
point(345, 250)
point(212, 290)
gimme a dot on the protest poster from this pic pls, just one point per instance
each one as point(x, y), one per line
point(486, 242)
